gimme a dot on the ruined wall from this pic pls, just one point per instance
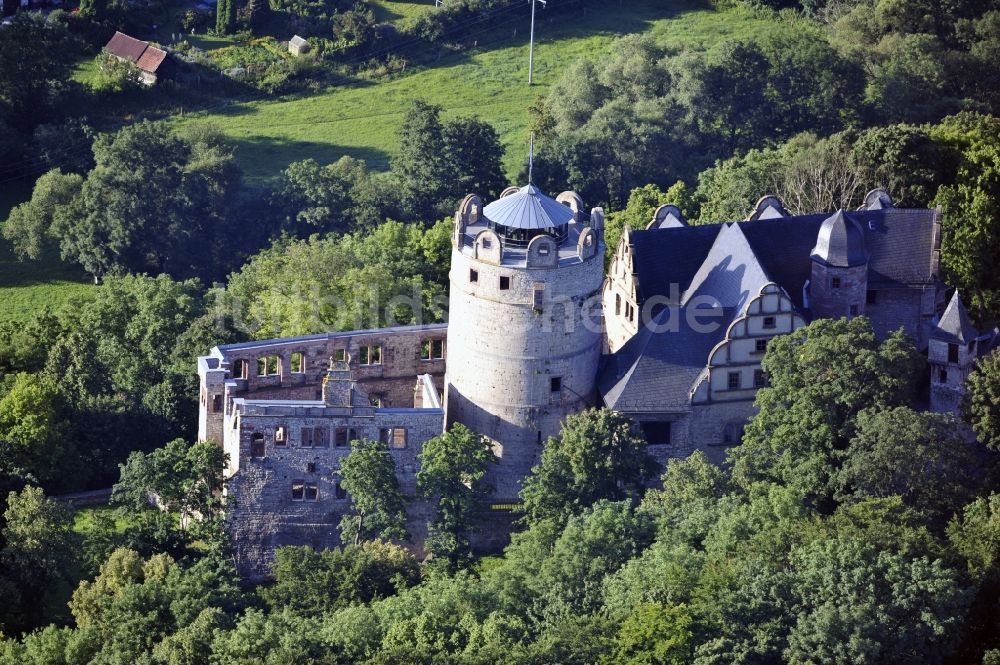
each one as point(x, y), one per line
point(262, 512)
point(392, 380)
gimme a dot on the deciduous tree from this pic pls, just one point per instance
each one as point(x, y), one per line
point(378, 507)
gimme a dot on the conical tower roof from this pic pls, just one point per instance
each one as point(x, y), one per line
point(954, 325)
point(528, 208)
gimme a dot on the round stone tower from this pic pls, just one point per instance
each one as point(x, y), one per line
point(839, 282)
point(524, 325)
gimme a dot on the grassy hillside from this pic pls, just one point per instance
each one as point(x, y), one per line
point(28, 286)
point(490, 82)
point(361, 119)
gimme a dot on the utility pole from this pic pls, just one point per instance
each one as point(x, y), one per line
point(531, 44)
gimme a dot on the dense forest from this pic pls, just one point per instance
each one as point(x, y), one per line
point(848, 527)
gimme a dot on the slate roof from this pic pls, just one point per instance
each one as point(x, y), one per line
point(954, 325)
point(768, 206)
point(656, 370)
point(900, 244)
point(141, 54)
point(662, 257)
point(840, 242)
point(528, 208)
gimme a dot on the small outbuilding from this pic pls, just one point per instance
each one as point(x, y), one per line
point(147, 59)
point(298, 45)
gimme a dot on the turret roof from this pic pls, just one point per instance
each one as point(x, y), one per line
point(528, 208)
point(954, 325)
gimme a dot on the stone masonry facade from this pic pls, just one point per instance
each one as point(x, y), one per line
point(531, 312)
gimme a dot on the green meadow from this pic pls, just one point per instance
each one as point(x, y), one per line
point(361, 118)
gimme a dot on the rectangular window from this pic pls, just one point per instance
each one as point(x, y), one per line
point(216, 403)
point(311, 492)
point(320, 438)
point(339, 491)
point(759, 378)
point(539, 298)
point(834, 282)
point(473, 275)
point(298, 490)
point(306, 437)
point(432, 349)
point(280, 435)
point(770, 322)
point(257, 445)
point(656, 433)
point(504, 283)
point(618, 304)
point(555, 384)
point(543, 250)
point(268, 366)
point(487, 243)
point(734, 380)
point(310, 467)
point(395, 437)
point(371, 355)
point(953, 353)
point(344, 436)
point(760, 346)
point(943, 376)
point(340, 355)
point(871, 297)
point(298, 363)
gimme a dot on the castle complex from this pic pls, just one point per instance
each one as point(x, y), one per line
point(671, 336)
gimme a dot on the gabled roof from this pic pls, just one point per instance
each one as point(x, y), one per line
point(731, 273)
point(767, 207)
point(662, 257)
point(954, 325)
point(151, 59)
point(141, 54)
point(528, 208)
point(900, 244)
point(657, 369)
point(126, 47)
point(298, 41)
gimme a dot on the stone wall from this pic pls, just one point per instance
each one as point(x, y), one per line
point(262, 512)
point(516, 371)
point(828, 300)
point(392, 380)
